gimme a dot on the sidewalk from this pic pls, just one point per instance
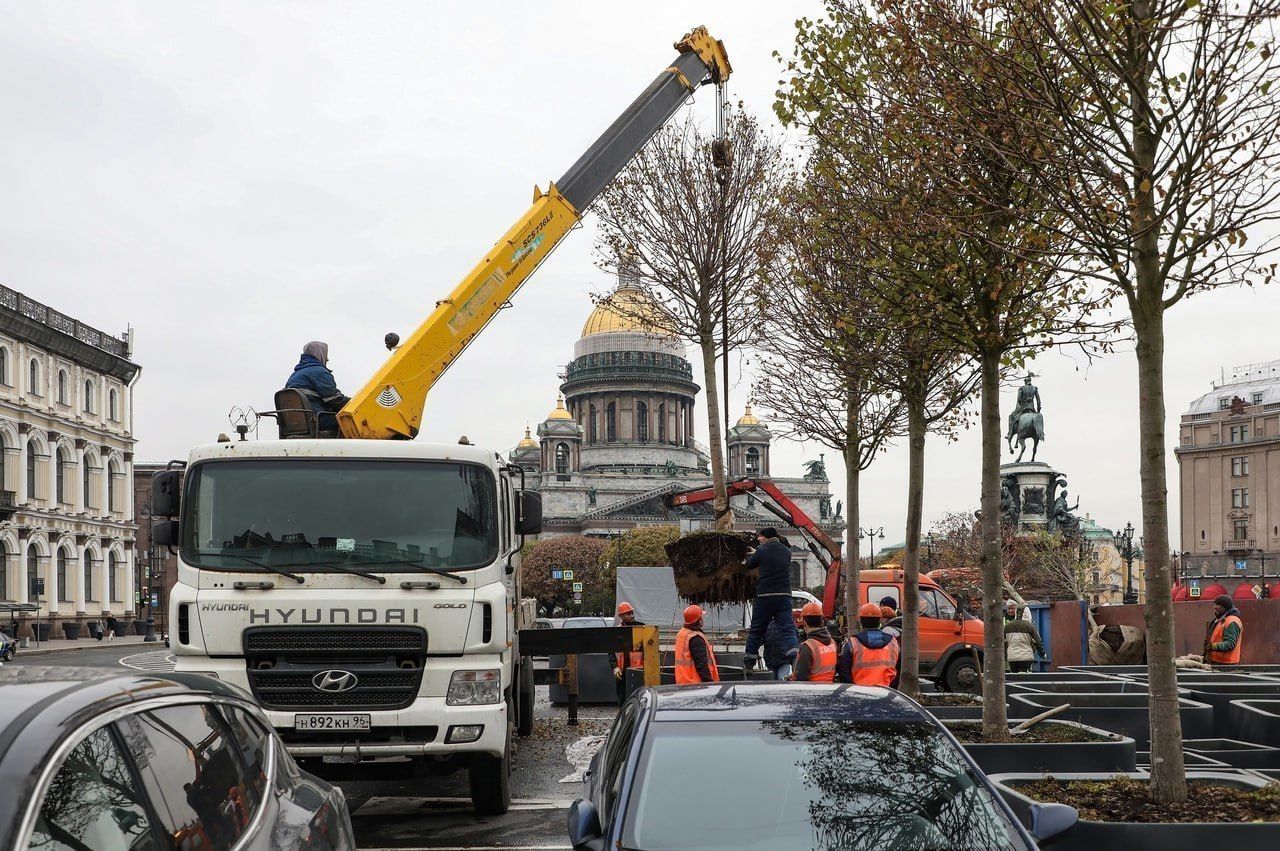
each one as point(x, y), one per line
point(61, 645)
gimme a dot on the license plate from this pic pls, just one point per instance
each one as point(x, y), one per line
point(331, 722)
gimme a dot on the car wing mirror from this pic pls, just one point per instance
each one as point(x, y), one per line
point(584, 827)
point(1050, 820)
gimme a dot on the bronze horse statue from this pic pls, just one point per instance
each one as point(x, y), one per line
point(1029, 426)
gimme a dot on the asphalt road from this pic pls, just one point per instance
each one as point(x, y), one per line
point(435, 813)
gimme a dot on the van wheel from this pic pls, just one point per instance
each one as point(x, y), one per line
point(524, 699)
point(962, 675)
point(490, 779)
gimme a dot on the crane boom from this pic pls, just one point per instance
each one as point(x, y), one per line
point(390, 405)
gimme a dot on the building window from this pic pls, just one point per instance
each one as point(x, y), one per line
point(1240, 465)
point(593, 427)
point(33, 377)
point(111, 486)
point(33, 570)
point(88, 491)
point(611, 422)
point(1241, 530)
point(753, 462)
point(797, 575)
point(88, 396)
point(113, 405)
point(4, 573)
point(113, 580)
point(1239, 497)
point(63, 595)
point(62, 387)
point(59, 479)
point(642, 422)
point(1257, 398)
point(662, 423)
point(1239, 433)
point(90, 587)
point(31, 470)
point(4, 367)
point(562, 458)
point(1224, 403)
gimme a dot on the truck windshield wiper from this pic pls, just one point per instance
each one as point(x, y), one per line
point(381, 580)
point(264, 566)
point(421, 566)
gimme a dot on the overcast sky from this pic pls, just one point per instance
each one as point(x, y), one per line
point(234, 179)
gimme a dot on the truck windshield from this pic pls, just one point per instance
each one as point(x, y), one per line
point(310, 515)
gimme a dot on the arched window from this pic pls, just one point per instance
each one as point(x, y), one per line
point(88, 395)
point(33, 377)
point(62, 387)
point(611, 422)
point(31, 471)
point(58, 477)
point(33, 569)
point(88, 491)
point(797, 575)
point(111, 485)
point(562, 458)
point(593, 428)
point(753, 461)
point(4, 366)
point(113, 581)
point(64, 593)
point(662, 423)
point(113, 405)
point(90, 587)
point(642, 422)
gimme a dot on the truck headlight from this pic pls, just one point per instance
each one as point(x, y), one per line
point(471, 688)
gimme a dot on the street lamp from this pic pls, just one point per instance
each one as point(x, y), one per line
point(871, 534)
point(1124, 544)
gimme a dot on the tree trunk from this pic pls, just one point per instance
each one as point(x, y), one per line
point(995, 724)
point(715, 437)
point(852, 472)
point(909, 684)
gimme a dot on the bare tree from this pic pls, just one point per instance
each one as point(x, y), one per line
point(694, 238)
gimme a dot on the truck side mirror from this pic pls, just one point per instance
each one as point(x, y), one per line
point(166, 493)
point(529, 513)
point(164, 533)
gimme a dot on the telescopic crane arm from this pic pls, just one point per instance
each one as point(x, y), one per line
point(390, 405)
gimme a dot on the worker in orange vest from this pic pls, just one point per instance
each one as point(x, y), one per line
point(630, 660)
point(695, 660)
point(869, 657)
point(1226, 631)
point(817, 660)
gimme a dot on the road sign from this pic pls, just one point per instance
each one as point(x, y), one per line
point(557, 574)
point(577, 598)
point(577, 587)
point(1195, 591)
point(1257, 591)
point(568, 576)
point(155, 600)
point(1242, 564)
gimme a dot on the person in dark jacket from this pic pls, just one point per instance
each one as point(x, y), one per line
point(1225, 632)
point(622, 662)
point(773, 597)
point(315, 381)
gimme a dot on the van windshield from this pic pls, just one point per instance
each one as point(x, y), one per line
point(312, 515)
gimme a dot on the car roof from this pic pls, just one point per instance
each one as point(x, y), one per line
point(777, 701)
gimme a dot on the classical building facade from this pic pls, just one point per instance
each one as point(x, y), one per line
point(621, 438)
point(1229, 477)
point(66, 506)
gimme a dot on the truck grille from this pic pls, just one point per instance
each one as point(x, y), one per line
point(282, 664)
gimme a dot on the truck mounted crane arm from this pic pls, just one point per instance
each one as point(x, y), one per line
point(390, 405)
point(782, 507)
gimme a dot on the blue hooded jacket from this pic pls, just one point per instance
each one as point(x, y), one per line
point(317, 383)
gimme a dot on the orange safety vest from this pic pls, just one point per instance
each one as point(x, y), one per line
point(822, 668)
point(630, 659)
point(686, 672)
point(1226, 657)
point(873, 666)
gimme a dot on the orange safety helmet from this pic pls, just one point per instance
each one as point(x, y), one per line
point(888, 612)
point(624, 608)
point(869, 610)
point(811, 610)
point(692, 615)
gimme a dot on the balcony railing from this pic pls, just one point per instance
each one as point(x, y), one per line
point(1237, 544)
point(42, 313)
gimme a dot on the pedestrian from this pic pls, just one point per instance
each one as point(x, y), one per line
point(695, 660)
point(1226, 631)
point(111, 628)
point(1021, 640)
point(314, 380)
point(629, 660)
point(772, 560)
point(870, 657)
point(774, 658)
point(817, 660)
point(888, 608)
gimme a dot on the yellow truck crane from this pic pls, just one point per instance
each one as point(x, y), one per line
point(366, 590)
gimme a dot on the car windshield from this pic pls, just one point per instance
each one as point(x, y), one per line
point(310, 515)
point(811, 785)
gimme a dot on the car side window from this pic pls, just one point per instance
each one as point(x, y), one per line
point(946, 608)
point(255, 747)
point(876, 593)
point(928, 603)
point(94, 802)
point(191, 773)
point(616, 751)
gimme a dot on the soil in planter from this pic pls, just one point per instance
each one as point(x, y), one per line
point(708, 568)
point(1124, 799)
point(1041, 734)
point(948, 699)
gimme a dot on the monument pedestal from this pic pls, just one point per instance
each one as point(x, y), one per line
point(1031, 480)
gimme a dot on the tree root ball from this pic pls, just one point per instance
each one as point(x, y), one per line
point(709, 570)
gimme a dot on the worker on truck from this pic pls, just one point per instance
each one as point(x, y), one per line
point(314, 380)
point(871, 656)
point(772, 559)
point(817, 660)
point(695, 660)
point(627, 660)
point(1226, 631)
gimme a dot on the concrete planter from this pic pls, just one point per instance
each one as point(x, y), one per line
point(1235, 753)
point(1059, 676)
point(41, 630)
point(1159, 836)
point(1190, 759)
point(71, 630)
point(1256, 721)
point(1126, 714)
point(1219, 695)
point(1088, 687)
point(140, 627)
point(955, 713)
point(1116, 753)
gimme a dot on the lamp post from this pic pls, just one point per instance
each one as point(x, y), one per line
point(871, 534)
point(1124, 544)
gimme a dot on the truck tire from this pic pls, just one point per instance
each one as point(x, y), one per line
point(961, 675)
point(524, 699)
point(490, 779)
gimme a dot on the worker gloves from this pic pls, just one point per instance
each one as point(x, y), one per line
point(617, 673)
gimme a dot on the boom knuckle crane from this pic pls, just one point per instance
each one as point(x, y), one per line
point(390, 405)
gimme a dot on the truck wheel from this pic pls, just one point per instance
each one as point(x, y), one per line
point(962, 675)
point(524, 699)
point(490, 778)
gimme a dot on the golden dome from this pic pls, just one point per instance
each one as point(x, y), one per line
point(528, 442)
point(748, 419)
point(627, 309)
point(561, 412)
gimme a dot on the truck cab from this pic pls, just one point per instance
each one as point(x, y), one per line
point(363, 591)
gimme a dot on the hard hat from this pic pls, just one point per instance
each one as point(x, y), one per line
point(692, 615)
point(888, 612)
point(811, 610)
point(624, 608)
point(869, 610)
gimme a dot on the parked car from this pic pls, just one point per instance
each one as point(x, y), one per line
point(790, 766)
point(8, 647)
point(92, 758)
